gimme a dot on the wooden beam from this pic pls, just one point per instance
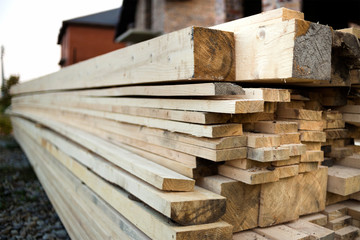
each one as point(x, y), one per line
point(269, 154)
point(314, 230)
point(242, 200)
point(193, 53)
point(282, 232)
point(303, 114)
point(259, 140)
point(247, 164)
point(343, 180)
point(313, 136)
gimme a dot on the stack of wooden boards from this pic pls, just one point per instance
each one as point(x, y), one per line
point(159, 140)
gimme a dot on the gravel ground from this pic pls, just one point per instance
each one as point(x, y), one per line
point(25, 210)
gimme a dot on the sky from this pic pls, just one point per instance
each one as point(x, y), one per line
point(29, 31)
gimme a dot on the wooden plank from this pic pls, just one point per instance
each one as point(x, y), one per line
point(343, 180)
point(353, 209)
point(267, 94)
point(249, 176)
point(155, 60)
point(232, 106)
point(247, 164)
point(293, 160)
point(332, 198)
point(335, 211)
point(347, 233)
point(352, 161)
point(339, 223)
point(276, 199)
point(282, 232)
point(307, 124)
point(313, 191)
point(303, 114)
point(289, 138)
point(340, 152)
point(275, 127)
point(332, 115)
point(198, 130)
point(316, 218)
point(279, 57)
point(146, 170)
point(316, 231)
point(312, 145)
point(268, 154)
point(197, 89)
point(171, 204)
point(242, 200)
point(313, 156)
point(295, 149)
point(259, 140)
point(150, 220)
point(305, 167)
point(313, 136)
point(335, 124)
point(248, 235)
point(352, 118)
point(336, 133)
point(252, 117)
point(288, 171)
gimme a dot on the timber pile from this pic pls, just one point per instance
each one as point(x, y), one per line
point(162, 139)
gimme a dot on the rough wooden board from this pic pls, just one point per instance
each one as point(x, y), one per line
point(282, 232)
point(316, 231)
point(250, 176)
point(295, 149)
point(268, 154)
point(267, 94)
point(276, 199)
point(353, 109)
point(331, 124)
point(352, 118)
point(336, 133)
point(150, 220)
point(144, 169)
point(197, 89)
point(316, 218)
point(353, 208)
point(347, 233)
point(332, 198)
point(289, 138)
point(242, 200)
point(337, 142)
point(339, 223)
point(340, 152)
point(307, 125)
point(335, 211)
point(208, 55)
point(252, 117)
point(291, 161)
point(313, 136)
point(332, 115)
point(313, 191)
point(276, 127)
point(247, 164)
point(305, 167)
point(288, 171)
point(259, 140)
point(355, 196)
point(301, 114)
point(343, 180)
point(313, 156)
point(312, 145)
point(248, 235)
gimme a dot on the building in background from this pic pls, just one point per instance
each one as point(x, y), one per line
point(88, 36)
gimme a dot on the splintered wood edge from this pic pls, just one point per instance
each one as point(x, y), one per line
point(214, 54)
point(312, 51)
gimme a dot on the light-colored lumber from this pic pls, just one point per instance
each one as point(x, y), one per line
point(277, 56)
point(313, 191)
point(313, 136)
point(335, 211)
point(171, 204)
point(277, 201)
point(316, 218)
point(343, 180)
point(252, 117)
point(197, 89)
point(150, 220)
point(288, 171)
point(314, 230)
point(267, 94)
point(305, 167)
point(248, 235)
point(249, 176)
point(353, 208)
point(282, 232)
point(347, 233)
point(336, 133)
point(113, 104)
point(292, 160)
point(295, 149)
point(352, 118)
point(289, 138)
point(332, 115)
point(247, 163)
point(294, 113)
point(192, 53)
point(340, 152)
point(242, 200)
point(150, 172)
point(276, 127)
point(259, 140)
point(307, 125)
point(340, 222)
point(313, 156)
point(312, 146)
point(269, 154)
point(330, 124)
point(332, 198)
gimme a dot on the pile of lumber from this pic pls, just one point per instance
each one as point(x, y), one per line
point(199, 133)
